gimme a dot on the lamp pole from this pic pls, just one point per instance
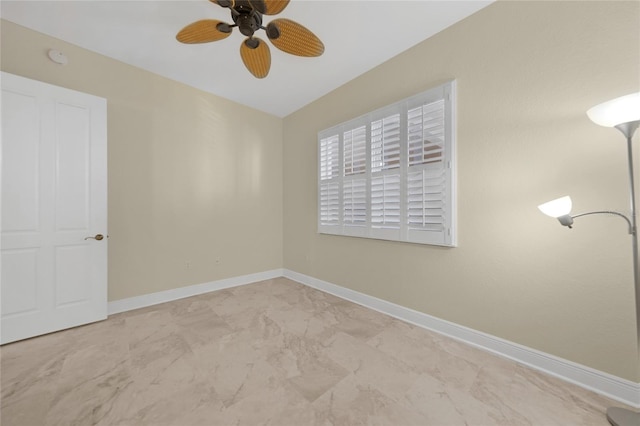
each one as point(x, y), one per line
point(621, 416)
point(628, 129)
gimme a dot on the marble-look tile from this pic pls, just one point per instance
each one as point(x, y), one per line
point(273, 353)
point(33, 370)
point(369, 365)
point(28, 409)
point(198, 323)
point(353, 402)
point(441, 403)
point(308, 299)
point(79, 401)
point(171, 406)
point(265, 405)
point(302, 362)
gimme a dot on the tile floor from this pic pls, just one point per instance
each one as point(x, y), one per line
point(277, 353)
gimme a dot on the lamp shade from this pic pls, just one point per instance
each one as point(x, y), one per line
point(557, 208)
point(616, 111)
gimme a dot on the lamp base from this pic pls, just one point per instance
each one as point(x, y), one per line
point(622, 417)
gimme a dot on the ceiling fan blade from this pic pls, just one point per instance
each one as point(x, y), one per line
point(273, 7)
point(291, 37)
point(224, 3)
point(256, 56)
point(258, 5)
point(204, 31)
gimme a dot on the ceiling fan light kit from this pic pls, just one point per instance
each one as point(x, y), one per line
point(285, 34)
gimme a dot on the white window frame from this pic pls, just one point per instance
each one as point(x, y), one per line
point(440, 175)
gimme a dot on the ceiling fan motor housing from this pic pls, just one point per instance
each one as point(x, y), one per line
point(247, 19)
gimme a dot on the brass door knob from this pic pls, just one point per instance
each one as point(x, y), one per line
point(97, 237)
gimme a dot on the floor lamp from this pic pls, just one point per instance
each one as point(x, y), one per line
point(624, 114)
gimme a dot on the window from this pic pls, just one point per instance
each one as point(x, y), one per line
point(390, 173)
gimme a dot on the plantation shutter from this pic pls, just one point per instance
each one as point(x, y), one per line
point(355, 202)
point(428, 175)
point(385, 143)
point(354, 205)
point(385, 175)
point(329, 157)
point(329, 176)
point(355, 151)
point(425, 200)
point(330, 204)
point(385, 201)
point(425, 133)
point(390, 174)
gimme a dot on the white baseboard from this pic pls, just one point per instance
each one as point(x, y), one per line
point(600, 382)
point(145, 300)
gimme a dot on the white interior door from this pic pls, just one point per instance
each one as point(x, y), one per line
point(54, 196)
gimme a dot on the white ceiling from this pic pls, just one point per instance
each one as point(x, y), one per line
point(358, 35)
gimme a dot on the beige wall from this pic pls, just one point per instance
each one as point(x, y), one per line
point(192, 177)
point(526, 74)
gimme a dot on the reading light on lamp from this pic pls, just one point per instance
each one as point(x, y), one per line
point(623, 113)
point(560, 209)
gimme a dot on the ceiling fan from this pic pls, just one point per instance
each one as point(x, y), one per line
point(285, 34)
